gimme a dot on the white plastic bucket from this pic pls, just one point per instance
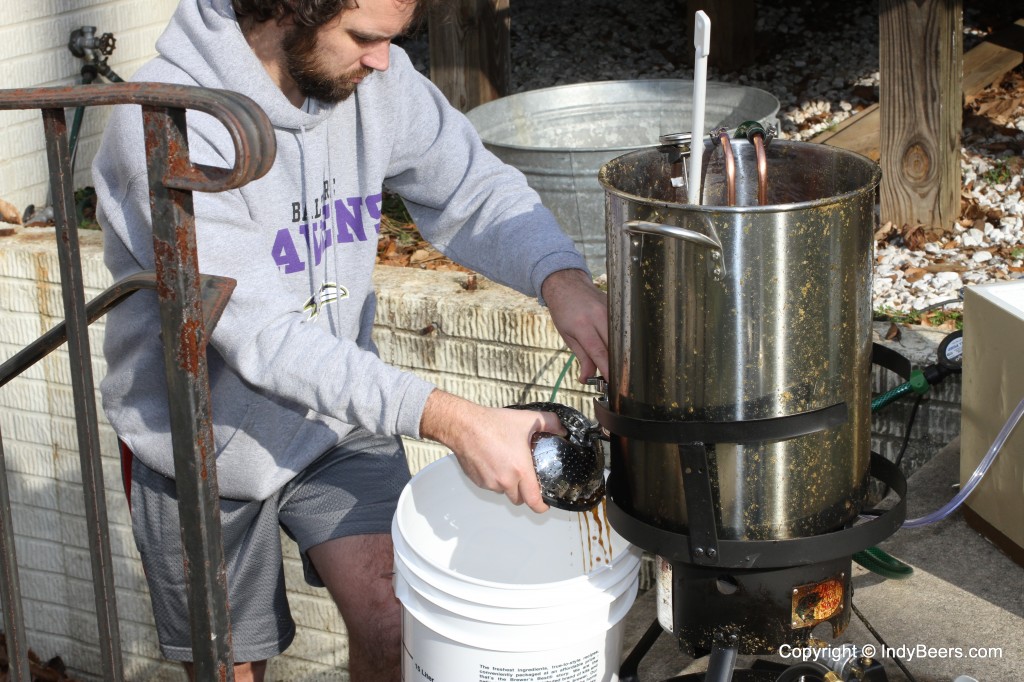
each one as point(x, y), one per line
point(492, 592)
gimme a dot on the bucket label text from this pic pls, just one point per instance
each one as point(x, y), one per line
point(582, 669)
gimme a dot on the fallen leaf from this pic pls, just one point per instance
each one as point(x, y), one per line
point(894, 333)
point(1001, 110)
point(914, 237)
point(8, 213)
point(885, 232)
point(914, 274)
point(946, 267)
point(418, 256)
point(970, 210)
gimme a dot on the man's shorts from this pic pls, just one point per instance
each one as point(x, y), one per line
point(351, 490)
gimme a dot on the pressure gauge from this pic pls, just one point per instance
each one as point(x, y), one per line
point(951, 352)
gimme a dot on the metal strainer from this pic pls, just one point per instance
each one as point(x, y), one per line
point(570, 468)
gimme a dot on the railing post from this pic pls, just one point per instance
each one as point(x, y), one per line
point(65, 217)
point(10, 591)
point(190, 305)
point(185, 339)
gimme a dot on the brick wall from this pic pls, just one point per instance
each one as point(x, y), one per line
point(33, 53)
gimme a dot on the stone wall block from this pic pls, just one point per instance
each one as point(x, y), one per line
point(324, 648)
point(38, 555)
point(520, 364)
point(33, 459)
point(319, 613)
point(34, 491)
point(50, 618)
point(428, 352)
point(37, 522)
point(134, 607)
point(420, 453)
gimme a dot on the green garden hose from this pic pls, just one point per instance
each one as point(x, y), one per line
point(886, 565)
point(916, 384)
point(873, 558)
point(565, 369)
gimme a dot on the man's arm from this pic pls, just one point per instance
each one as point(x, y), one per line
point(580, 313)
point(491, 444)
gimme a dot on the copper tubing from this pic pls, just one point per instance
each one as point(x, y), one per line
point(762, 169)
point(730, 167)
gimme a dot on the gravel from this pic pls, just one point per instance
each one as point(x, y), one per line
point(820, 59)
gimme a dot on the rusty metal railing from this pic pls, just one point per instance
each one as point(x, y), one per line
point(190, 305)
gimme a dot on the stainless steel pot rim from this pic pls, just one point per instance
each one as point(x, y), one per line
point(769, 208)
point(870, 186)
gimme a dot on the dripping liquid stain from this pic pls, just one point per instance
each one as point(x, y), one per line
point(595, 537)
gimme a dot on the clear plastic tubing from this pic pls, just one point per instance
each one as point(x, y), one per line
point(975, 479)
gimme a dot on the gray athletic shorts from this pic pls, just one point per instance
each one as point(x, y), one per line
point(351, 490)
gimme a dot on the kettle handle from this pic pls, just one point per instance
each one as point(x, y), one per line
point(646, 227)
point(716, 266)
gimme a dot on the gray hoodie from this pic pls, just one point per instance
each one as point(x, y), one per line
point(292, 367)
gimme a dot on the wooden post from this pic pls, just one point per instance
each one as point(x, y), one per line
point(733, 43)
point(470, 51)
point(921, 111)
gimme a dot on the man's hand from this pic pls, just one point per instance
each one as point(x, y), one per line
point(580, 313)
point(491, 444)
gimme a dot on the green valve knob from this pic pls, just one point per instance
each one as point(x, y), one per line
point(748, 129)
point(918, 382)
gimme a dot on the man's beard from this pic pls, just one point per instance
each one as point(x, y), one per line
point(305, 68)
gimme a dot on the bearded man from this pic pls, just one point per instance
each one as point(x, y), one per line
point(306, 417)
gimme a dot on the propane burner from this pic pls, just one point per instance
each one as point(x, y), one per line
point(753, 595)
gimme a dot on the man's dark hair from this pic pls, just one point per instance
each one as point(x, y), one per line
point(309, 13)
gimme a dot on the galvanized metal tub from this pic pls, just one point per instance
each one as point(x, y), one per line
point(774, 322)
point(559, 137)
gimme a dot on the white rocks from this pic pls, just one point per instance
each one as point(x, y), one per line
point(973, 237)
point(982, 256)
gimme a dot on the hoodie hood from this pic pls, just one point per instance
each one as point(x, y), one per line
point(204, 41)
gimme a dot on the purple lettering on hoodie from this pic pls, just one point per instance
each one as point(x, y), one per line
point(321, 237)
point(319, 234)
point(350, 219)
point(285, 254)
point(373, 203)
